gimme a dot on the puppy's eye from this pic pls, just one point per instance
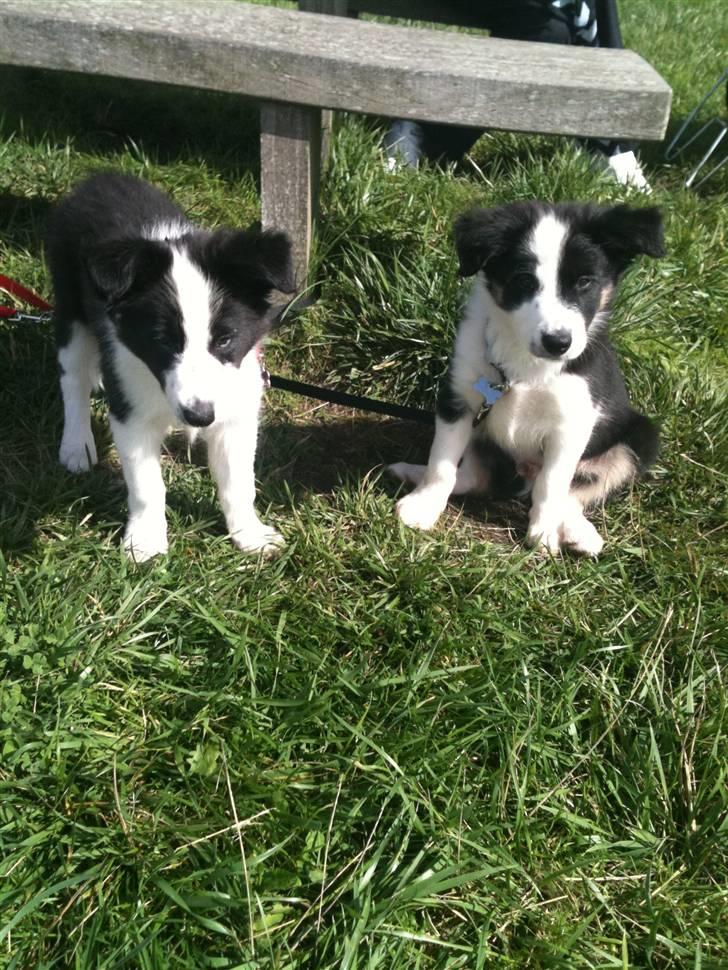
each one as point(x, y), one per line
point(523, 279)
point(585, 283)
point(224, 342)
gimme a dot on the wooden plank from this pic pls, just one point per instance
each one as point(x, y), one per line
point(336, 8)
point(313, 59)
point(290, 153)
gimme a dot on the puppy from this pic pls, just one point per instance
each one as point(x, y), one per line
point(533, 348)
point(169, 318)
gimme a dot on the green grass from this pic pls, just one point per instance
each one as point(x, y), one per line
point(381, 750)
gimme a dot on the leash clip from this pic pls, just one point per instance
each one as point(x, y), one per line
point(20, 292)
point(20, 316)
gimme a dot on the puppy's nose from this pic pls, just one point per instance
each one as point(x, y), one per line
point(556, 343)
point(198, 414)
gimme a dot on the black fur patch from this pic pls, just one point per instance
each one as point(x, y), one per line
point(234, 330)
point(504, 482)
point(248, 264)
point(625, 233)
point(450, 407)
point(482, 235)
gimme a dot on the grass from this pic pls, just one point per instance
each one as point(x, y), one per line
point(381, 750)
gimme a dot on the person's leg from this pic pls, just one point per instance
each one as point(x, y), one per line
point(591, 23)
point(616, 157)
point(406, 142)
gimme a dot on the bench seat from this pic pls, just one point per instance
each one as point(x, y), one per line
point(299, 63)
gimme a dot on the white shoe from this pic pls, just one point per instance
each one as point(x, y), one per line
point(627, 170)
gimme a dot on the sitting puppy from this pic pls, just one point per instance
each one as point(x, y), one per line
point(169, 318)
point(533, 346)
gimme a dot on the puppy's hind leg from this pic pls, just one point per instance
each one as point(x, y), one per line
point(471, 476)
point(577, 532)
point(597, 478)
point(407, 473)
point(78, 361)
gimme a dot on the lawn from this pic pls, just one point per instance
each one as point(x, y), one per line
point(382, 749)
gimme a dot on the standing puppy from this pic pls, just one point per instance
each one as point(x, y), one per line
point(536, 324)
point(169, 318)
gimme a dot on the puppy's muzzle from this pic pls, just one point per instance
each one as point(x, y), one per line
point(556, 343)
point(199, 414)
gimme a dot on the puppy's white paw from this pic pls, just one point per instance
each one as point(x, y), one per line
point(582, 537)
point(144, 540)
point(78, 456)
point(544, 534)
point(420, 510)
point(259, 538)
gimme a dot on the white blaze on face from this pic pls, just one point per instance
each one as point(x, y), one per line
point(546, 313)
point(196, 375)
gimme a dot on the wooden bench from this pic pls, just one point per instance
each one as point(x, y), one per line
point(298, 63)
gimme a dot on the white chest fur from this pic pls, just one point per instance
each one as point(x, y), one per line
point(528, 416)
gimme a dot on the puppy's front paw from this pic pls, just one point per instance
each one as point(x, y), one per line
point(144, 540)
point(581, 536)
point(78, 456)
point(420, 510)
point(259, 538)
point(544, 534)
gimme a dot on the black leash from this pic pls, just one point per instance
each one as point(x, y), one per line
point(352, 400)
point(400, 411)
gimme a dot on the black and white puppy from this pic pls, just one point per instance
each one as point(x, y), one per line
point(536, 323)
point(169, 318)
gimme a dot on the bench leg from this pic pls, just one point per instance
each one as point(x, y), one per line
point(290, 158)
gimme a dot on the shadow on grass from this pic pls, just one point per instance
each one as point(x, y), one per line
point(320, 447)
point(104, 115)
point(23, 222)
point(309, 448)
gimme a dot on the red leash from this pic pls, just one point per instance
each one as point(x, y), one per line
point(21, 293)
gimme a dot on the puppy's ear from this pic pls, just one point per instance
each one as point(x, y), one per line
point(482, 234)
point(476, 237)
point(253, 260)
point(624, 233)
point(118, 267)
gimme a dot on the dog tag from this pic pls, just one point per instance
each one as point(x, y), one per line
point(490, 393)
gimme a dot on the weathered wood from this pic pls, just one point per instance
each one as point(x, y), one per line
point(337, 8)
point(290, 153)
point(281, 55)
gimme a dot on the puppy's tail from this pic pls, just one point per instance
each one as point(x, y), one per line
point(642, 437)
